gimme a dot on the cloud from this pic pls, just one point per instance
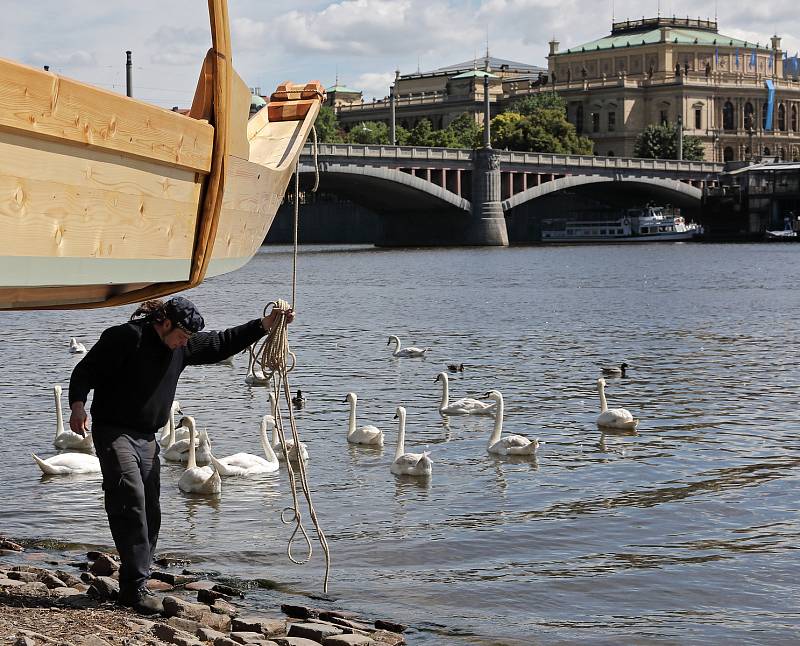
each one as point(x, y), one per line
point(178, 45)
point(59, 58)
point(373, 84)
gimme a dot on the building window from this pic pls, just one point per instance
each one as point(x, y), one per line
point(727, 154)
point(698, 118)
point(728, 120)
point(749, 121)
point(579, 120)
point(595, 122)
point(612, 121)
point(663, 117)
point(782, 117)
point(793, 118)
point(610, 153)
point(766, 151)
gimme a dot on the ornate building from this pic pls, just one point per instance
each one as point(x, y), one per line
point(732, 94)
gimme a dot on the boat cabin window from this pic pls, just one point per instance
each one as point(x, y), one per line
point(602, 231)
point(645, 230)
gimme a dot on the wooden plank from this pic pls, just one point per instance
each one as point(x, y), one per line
point(40, 160)
point(238, 144)
point(52, 219)
point(46, 105)
point(55, 297)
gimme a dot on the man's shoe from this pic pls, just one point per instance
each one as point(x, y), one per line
point(142, 601)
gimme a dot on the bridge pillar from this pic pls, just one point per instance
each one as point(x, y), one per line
point(488, 226)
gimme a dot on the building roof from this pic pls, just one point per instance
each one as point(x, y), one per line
point(647, 36)
point(342, 89)
point(475, 73)
point(494, 63)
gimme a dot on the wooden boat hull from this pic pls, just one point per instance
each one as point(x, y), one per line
point(106, 200)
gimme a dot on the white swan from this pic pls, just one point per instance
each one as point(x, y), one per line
point(247, 464)
point(169, 433)
point(509, 444)
point(409, 464)
point(179, 450)
point(198, 479)
point(410, 351)
point(465, 406)
point(76, 347)
point(65, 464)
point(255, 376)
point(370, 435)
point(618, 418)
point(276, 443)
point(67, 438)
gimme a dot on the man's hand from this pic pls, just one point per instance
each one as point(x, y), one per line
point(268, 321)
point(79, 420)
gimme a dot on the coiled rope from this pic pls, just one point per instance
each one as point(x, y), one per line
point(277, 360)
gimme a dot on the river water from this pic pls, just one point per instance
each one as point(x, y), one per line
point(685, 533)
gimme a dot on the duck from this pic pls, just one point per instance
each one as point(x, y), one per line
point(508, 444)
point(409, 352)
point(409, 464)
point(455, 367)
point(247, 464)
point(204, 480)
point(66, 438)
point(616, 418)
point(614, 371)
point(76, 347)
point(178, 451)
point(169, 433)
point(299, 400)
point(65, 464)
point(368, 435)
point(464, 406)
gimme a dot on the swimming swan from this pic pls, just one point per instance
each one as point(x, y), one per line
point(410, 351)
point(247, 464)
point(409, 464)
point(615, 371)
point(169, 433)
point(370, 435)
point(255, 376)
point(276, 443)
point(67, 438)
point(178, 451)
point(76, 347)
point(509, 444)
point(465, 406)
point(198, 479)
point(618, 418)
point(65, 464)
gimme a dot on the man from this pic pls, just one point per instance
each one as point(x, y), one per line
point(134, 370)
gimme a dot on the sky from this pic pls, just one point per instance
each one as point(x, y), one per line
point(360, 41)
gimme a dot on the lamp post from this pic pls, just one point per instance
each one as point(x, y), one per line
point(487, 137)
point(680, 137)
point(128, 74)
point(393, 109)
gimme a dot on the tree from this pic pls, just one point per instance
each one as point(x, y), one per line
point(421, 134)
point(661, 142)
point(464, 131)
point(328, 129)
point(544, 130)
point(368, 132)
point(532, 103)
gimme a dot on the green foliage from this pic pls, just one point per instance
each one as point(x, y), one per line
point(661, 142)
point(531, 104)
point(328, 129)
point(421, 134)
point(543, 130)
point(368, 132)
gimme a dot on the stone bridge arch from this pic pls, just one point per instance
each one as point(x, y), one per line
point(387, 190)
point(682, 192)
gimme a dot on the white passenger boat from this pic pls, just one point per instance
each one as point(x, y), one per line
point(650, 224)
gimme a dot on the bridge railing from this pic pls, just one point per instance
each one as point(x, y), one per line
point(423, 153)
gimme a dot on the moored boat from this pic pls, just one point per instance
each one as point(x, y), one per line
point(650, 224)
point(109, 200)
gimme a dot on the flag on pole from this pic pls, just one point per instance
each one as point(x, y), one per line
point(753, 58)
point(737, 58)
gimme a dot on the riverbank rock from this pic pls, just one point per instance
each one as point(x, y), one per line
point(316, 632)
point(104, 588)
point(173, 579)
point(173, 635)
point(389, 638)
point(299, 612)
point(11, 546)
point(391, 626)
point(51, 581)
point(266, 627)
point(349, 640)
point(104, 565)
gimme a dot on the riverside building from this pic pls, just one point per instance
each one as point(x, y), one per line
point(733, 94)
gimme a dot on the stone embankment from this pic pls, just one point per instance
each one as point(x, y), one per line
point(73, 605)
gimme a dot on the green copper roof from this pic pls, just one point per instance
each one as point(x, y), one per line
point(474, 73)
point(343, 89)
point(680, 36)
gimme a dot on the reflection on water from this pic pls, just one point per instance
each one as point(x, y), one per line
point(683, 533)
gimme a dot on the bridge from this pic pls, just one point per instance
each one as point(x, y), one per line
point(449, 196)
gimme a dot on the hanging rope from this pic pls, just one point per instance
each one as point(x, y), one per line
point(277, 360)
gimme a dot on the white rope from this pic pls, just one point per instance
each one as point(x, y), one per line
point(277, 360)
